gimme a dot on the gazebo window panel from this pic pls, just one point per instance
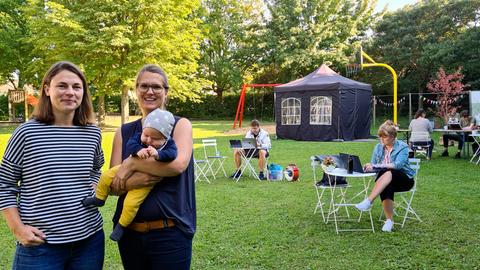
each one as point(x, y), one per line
point(291, 111)
point(320, 110)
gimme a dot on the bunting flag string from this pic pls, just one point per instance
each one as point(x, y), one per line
point(437, 102)
point(426, 100)
point(389, 104)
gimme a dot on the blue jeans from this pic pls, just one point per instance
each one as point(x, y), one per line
point(167, 248)
point(85, 254)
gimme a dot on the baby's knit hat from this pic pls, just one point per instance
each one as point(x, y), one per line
point(160, 120)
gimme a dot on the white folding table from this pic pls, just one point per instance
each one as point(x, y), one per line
point(346, 201)
point(246, 162)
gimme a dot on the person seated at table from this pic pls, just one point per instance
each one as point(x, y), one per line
point(396, 175)
point(468, 124)
point(422, 124)
point(261, 152)
point(453, 116)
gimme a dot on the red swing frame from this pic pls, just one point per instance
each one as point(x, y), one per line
point(241, 101)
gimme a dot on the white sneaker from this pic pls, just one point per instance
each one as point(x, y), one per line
point(365, 205)
point(388, 226)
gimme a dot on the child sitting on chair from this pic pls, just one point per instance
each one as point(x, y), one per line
point(154, 141)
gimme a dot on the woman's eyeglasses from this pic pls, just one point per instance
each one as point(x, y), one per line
point(156, 88)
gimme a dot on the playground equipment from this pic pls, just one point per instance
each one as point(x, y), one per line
point(19, 97)
point(358, 65)
point(241, 101)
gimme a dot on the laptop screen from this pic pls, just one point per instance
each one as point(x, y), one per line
point(249, 143)
point(454, 126)
point(235, 144)
point(357, 165)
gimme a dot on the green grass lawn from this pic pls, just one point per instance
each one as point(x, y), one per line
point(271, 225)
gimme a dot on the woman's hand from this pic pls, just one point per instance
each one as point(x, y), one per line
point(368, 167)
point(118, 182)
point(29, 236)
point(136, 180)
point(140, 180)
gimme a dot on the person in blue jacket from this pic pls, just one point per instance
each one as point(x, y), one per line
point(390, 156)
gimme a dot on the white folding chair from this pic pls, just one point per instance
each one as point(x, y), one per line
point(320, 190)
point(213, 157)
point(420, 143)
point(201, 166)
point(406, 197)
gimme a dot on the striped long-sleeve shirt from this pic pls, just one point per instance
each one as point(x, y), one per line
point(46, 172)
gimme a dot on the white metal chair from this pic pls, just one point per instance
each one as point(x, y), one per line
point(420, 143)
point(406, 197)
point(213, 157)
point(201, 167)
point(320, 190)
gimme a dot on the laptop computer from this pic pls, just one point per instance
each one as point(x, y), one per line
point(454, 126)
point(235, 144)
point(245, 143)
point(357, 164)
point(249, 143)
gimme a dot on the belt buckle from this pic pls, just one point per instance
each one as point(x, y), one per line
point(147, 226)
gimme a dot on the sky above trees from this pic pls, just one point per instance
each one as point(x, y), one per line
point(393, 4)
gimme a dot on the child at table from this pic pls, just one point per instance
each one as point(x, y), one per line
point(154, 141)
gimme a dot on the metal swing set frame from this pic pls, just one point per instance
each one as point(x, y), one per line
point(241, 101)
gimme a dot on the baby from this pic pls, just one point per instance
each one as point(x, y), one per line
point(154, 141)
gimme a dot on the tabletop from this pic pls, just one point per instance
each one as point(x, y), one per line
point(343, 173)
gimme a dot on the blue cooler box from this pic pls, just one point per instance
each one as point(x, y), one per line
point(275, 172)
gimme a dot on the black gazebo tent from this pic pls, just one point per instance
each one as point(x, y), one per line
point(350, 114)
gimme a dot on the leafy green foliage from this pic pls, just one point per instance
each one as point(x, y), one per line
point(301, 35)
point(419, 39)
point(225, 26)
point(14, 50)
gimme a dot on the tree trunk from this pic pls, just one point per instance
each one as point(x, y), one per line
point(124, 104)
point(101, 110)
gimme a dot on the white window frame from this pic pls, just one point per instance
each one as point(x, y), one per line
point(291, 111)
point(321, 110)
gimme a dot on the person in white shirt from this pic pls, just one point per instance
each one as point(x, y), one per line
point(261, 152)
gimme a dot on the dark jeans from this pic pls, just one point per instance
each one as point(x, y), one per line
point(167, 248)
point(460, 138)
point(85, 254)
point(400, 182)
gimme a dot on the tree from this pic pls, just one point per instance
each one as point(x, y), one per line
point(417, 39)
point(447, 87)
point(226, 25)
point(302, 34)
point(14, 51)
point(111, 40)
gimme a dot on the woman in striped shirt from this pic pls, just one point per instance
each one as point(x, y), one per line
point(50, 165)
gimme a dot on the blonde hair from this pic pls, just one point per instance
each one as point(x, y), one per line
point(388, 128)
